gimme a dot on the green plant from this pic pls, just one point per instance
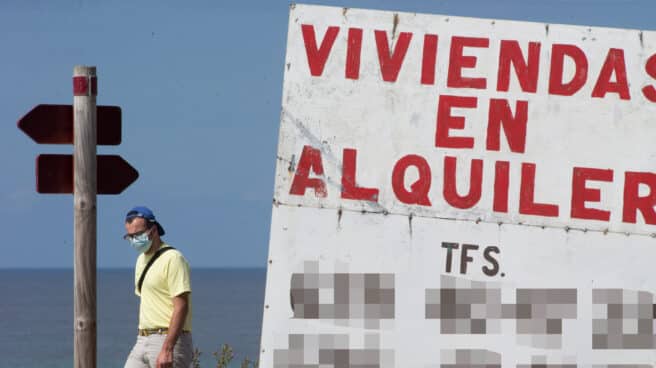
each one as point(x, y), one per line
point(195, 360)
point(247, 363)
point(224, 357)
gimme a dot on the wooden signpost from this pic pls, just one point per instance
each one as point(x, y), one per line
point(84, 174)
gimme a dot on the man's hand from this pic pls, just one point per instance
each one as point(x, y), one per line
point(165, 358)
point(180, 309)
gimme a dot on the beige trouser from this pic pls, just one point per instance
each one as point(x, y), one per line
point(145, 351)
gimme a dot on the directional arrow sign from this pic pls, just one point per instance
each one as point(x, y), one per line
point(54, 174)
point(53, 124)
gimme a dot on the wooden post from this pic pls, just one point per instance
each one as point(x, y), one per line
point(84, 199)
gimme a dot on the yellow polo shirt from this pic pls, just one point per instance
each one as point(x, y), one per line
point(167, 278)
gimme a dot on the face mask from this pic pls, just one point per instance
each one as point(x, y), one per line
point(141, 243)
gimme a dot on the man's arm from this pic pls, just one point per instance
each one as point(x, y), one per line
point(180, 310)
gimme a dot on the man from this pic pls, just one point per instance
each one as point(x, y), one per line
point(164, 339)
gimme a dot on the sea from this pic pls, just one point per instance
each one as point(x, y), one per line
point(36, 315)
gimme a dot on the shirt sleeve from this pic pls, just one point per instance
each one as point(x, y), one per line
point(179, 275)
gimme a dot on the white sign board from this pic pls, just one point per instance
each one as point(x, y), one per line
point(458, 192)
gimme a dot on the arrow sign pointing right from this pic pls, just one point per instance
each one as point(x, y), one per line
point(53, 124)
point(54, 174)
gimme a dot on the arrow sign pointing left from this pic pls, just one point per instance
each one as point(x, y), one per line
point(53, 124)
point(54, 174)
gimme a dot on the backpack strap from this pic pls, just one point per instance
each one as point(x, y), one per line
point(150, 263)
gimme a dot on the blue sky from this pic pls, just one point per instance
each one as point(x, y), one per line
point(200, 86)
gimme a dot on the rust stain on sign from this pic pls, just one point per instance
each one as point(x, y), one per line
point(396, 23)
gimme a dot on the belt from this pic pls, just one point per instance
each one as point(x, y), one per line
point(156, 331)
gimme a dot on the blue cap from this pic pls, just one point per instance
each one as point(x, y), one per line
point(146, 214)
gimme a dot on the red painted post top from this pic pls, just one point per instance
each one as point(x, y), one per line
point(85, 86)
